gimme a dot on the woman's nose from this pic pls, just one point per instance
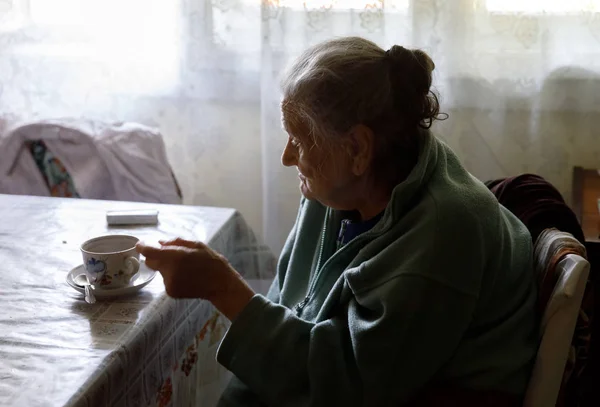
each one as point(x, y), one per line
point(289, 158)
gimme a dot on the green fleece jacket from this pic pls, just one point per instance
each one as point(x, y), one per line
point(441, 290)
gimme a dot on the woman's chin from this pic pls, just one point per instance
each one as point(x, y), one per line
point(306, 192)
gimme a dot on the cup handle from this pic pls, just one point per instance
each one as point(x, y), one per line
point(133, 265)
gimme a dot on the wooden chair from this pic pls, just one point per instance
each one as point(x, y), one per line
point(586, 192)
point(558, 324)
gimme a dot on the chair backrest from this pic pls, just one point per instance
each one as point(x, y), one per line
point(557, 327)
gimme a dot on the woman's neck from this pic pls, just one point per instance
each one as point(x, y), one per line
point(373, 203)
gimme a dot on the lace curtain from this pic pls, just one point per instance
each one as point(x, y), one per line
point(519, 79)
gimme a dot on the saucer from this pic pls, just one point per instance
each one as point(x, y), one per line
point(141, 279)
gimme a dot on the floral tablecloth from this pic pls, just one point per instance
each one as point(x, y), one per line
point(146, 349)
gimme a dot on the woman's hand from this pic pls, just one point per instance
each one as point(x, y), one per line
point(193, 270)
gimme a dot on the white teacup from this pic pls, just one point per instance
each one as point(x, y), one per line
point(110, 261)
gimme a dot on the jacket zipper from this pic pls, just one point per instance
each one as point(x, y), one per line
point(340, 241)
point(300, 306)
point(312, 288)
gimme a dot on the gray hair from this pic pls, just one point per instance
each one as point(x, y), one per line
point(340, 83)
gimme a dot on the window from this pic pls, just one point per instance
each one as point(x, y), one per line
point(340, 5)
point(135, 41)
point(542, 6)
point(11, 15)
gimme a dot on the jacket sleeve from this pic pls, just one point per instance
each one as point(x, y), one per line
point(390, 340)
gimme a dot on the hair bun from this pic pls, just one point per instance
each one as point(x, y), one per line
point(411, 77)
point(424, 61)
point(413, 64)
point(396, 53)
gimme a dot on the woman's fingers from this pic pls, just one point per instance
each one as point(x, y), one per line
point(163, 253)
point(164, 258)
point(153, 264)
point(148, 251)
point(181, 242)
point(154, 255)
point(178, 261)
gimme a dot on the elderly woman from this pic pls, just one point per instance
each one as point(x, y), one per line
point(403, 281)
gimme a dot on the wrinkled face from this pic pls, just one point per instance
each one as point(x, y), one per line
point(325, 173)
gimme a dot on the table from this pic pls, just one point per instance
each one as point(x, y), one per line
point(585, 197)
point(591, 230)
point(147, 349)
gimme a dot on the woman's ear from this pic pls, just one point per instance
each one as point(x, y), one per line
point(361, 147)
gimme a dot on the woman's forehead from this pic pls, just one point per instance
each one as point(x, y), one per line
point(294, 123)
point(288, 111)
